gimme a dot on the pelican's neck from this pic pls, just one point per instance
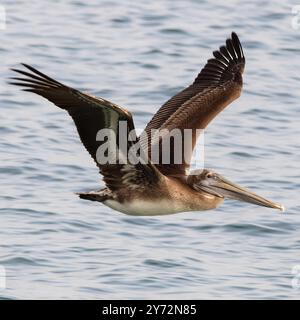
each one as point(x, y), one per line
point(180, 189)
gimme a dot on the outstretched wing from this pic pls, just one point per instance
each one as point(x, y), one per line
point(217, 85)
point(90, 115)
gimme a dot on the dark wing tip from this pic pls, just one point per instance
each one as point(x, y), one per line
point(227, 61)
point(38, 73)
point(33, 79)
point(234, 35)
point(237, 46)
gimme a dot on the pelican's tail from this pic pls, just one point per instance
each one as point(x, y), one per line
point(100, 195)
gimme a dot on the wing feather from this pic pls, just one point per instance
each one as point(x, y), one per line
point(217, 85)
point(90, 115)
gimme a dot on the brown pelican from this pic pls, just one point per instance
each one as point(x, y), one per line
point(156, 188)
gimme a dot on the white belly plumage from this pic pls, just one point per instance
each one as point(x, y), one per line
point(146, 208)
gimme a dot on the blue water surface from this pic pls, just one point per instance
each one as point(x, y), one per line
point(54, 245)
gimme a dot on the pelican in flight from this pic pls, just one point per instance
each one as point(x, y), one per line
point(148, 188)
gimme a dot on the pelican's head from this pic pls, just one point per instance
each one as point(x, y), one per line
point(213, 183)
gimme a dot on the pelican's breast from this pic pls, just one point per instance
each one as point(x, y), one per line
point(140, 207)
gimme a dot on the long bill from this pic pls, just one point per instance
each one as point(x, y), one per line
point(227, 189)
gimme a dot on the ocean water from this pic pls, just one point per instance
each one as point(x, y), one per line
point(54, 245)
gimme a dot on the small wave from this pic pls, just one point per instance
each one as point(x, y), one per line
point(162, 263)
point(15, 261)
point(255, 229)
point(175, 31)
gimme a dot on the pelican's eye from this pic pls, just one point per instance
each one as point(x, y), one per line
point(209, 175)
